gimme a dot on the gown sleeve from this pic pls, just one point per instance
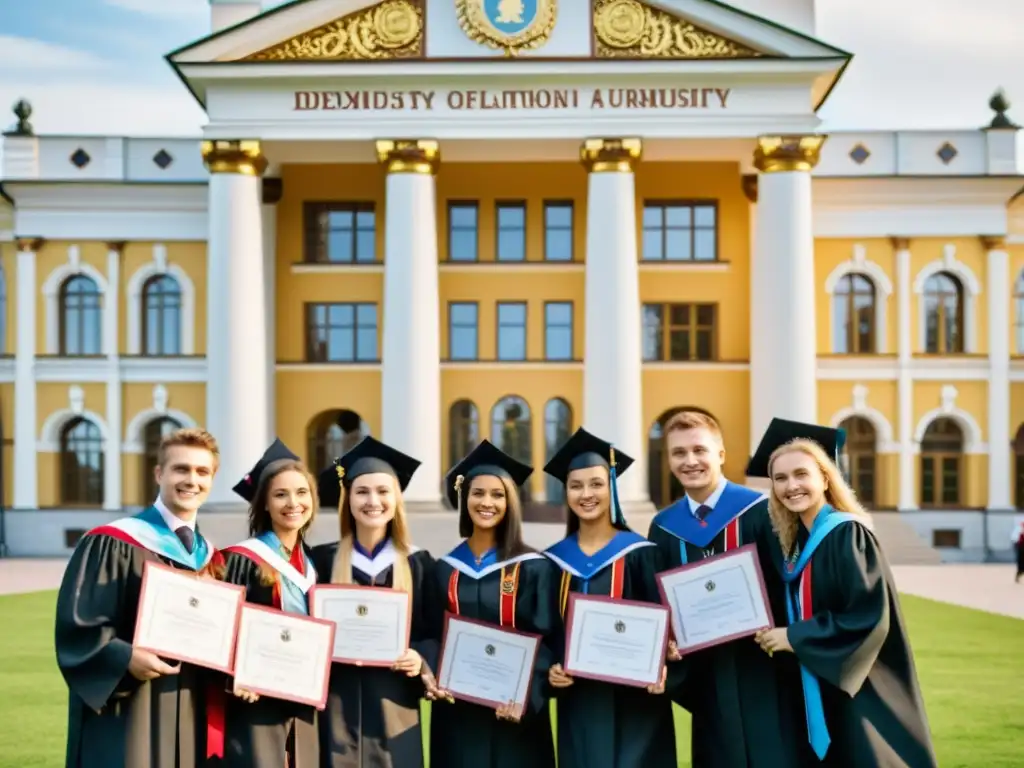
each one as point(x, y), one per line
point(644, 565)
point(842, 639)
point(91, 604)
point(424, 603)
point(543, 575)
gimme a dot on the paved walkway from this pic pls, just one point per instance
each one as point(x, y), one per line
point(985, 587)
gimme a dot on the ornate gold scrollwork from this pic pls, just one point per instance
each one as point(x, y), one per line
point(610, 155)
point(508, 25)
point(775, 154)
point(391, 30)
point(630, 29)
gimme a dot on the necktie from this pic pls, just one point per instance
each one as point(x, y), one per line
point(702, 512)
point(188, 538)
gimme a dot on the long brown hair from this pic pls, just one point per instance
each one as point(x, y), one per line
point(259, 514)
point(398, 532)
point(508, 536)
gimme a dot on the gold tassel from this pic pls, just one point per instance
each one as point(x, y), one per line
point(458, 491)
point(611, 456)
point(341, 498)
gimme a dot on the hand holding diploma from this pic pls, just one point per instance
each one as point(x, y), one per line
point(146, 665)
point(772, 640)
point(409, 662)
point(558, 678)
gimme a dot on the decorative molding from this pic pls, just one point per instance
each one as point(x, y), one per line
point(134, 441)
point(993, 242)
point(409, 155)
point(900, 243)
point(51, 295)
point(611, 155)
point(389, 30)
point(971, 287)
point(231, 156)
point(884, 441)
point(628, 29)
point(524, 26)
point(187, 313)
point(778, 154)
point(50, 434)
point(973, 442)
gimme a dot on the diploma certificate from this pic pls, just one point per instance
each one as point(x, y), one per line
point(716, 600)
point(188, 618)
point(373, 622)
point(616, 641)
point(284, 655)
point(486, 664)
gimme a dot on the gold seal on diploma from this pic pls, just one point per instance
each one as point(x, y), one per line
point(362, 610)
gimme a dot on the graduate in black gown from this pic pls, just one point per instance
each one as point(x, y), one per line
point(726, 687)
point(373, 713)
point(493, 576)
point(604, 725)
point(275, 567)
point(860, 694)
point(127, 707)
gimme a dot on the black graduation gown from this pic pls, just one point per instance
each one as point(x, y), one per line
point(114, 719)
point(741, 716)
point(856, 644)
point(372, 718)
point(603, 725)
point(466, 735)
point(258, 734)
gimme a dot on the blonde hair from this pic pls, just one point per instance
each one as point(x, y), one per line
point(686, 420)
point(190, 437)
point(398, 531)
point(838, 494)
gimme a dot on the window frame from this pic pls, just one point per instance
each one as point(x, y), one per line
point(571, 326)
point(476, 331)
point(692, 204)
point(308, 309)
point(518, 205)
point(666, 327)
point(460, 203)
point(311, 210)
point(571, 229)
point(525, 330)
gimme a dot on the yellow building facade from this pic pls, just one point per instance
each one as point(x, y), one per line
point(496, 272)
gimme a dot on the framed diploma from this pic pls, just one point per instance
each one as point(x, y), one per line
point(373, 622)
point(716, 600)
point(615, 641)
point(284, 655)
point(189, 618)
point(486, 664)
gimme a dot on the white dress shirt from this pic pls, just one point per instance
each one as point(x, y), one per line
point(712, 499)
point(173, 521)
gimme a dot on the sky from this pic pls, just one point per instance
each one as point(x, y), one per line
point(97, 67)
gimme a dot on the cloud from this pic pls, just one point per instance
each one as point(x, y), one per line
point(165, 9)
point(30, 58)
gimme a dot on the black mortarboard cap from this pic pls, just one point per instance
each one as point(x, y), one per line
point(485, 459)
point(246, 487)
point(371, 455)
point(782, 431)
point(584, 450)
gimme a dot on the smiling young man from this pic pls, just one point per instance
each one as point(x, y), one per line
point(731, 690)
point(127, 707)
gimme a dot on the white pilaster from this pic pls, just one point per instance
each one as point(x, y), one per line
point(999, 288)
point(761, 414)
point(783, 358)
point(270, 197)
point(411, 354)
point(907, 498)
point(236, 349)
point(112, 448)
point(26, 474)
point(612, 376)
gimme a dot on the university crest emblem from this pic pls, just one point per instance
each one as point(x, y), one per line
point(508, 25)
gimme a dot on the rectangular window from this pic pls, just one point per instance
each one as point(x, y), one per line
point(558, 231)
point(558, 330)
point(463, 231)
point(341, 333)
point(680, 332)
point(463, 331)
point(510, 223)
point(680, 231)
point(341, 233)
point(512, 330)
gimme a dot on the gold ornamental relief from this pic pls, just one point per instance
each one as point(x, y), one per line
point(628, 29)
point(391, 30)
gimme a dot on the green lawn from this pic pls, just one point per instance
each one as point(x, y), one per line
point(970, 671)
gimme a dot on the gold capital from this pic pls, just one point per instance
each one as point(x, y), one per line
point(611, 155)
point(409, 155)
point(749, 183)
point(243, 157)
point(994, 242)
point(117, 246)
point(29, 244)
point(900, 243)
point(775, 154)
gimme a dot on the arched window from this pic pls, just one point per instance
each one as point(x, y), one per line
point(81, 463)
point(463, 430)
point(853, 315)
point(332, 434)
point(161, 316)
point(81, 317)
point(859, 460)
point(510, 431)
point(944, 314)
point(152, 434)
point(1018, 314)
point(942, 449)
point(557, 431)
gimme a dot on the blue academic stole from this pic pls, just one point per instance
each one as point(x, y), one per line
point(462, 561)
point(573, 561)
point(148, 530)
point(680, 521)
point(798, 608)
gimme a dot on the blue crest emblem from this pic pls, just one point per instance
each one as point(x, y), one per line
point(509, 25)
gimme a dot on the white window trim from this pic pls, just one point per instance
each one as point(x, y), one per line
point(49, 436)
point(973, 444)
point(134, 442)
point(51, 296)
point(136, 283)
point(884, 442)
point(859, 264)
point(971, 290)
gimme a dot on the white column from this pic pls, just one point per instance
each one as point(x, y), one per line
point(613, 356)
point(783, 347)
point(112, 449)
point(757, 300)
point(26, 473)
point(236, 348)
point(999, 287)
point(271, 196)
point(411, 354)
point(907, 497)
